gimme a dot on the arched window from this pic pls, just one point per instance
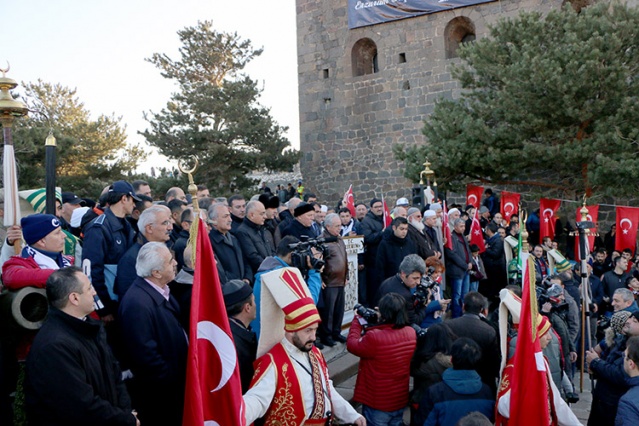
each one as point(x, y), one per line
point(459, 30)
point(364, 57)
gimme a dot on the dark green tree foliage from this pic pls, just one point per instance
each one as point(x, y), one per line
point(215, 115)
point(549, 101)
point(90, 153)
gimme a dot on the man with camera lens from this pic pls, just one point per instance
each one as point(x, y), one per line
point(288, 254)
point(409, 277)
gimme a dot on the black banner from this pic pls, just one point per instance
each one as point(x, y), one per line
point(362, 13)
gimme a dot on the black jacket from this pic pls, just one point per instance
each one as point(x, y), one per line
point(179, 246)
point(471, 326)
point(156, 349)
point(231, 256)
point(255, 243)
point(106, 239)
point(236, 223)
point(72, 376)
point(395, 285)
point(390, 253)
point(372, 227)
point(425, 246)
point(297, 230)
point(246, 346)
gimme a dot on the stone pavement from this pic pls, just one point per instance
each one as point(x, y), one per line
point(342, 367)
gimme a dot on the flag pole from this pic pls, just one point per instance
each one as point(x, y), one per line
point(583, 227)
point(10, 109)
point(192, 188)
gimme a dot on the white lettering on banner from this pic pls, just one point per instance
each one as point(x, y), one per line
point(368, 4)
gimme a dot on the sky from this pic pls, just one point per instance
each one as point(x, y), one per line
point(99, 47)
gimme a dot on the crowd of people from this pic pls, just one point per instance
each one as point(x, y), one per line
point(114, 346)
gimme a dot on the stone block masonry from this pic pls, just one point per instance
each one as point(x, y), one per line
point(349, 122)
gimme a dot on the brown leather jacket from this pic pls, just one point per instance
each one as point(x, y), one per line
point(336, 269)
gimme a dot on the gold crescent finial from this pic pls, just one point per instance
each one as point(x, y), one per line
point(5, 70)
point(183, 168)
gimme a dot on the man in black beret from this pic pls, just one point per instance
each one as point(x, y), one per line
point(241, 310)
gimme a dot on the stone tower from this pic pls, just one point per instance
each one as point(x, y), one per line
point(365, 89)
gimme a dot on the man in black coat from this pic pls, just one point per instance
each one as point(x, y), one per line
point(302, 226)
point(470, 325)
point(409, 276)
point(256, 242)
point(72, 378)
point(495, 263)
point(373, 228)
point(237, 206)
point(458, 266)
point(226, 247)
point(395, 246)
point(155, 343)
point(241, 310)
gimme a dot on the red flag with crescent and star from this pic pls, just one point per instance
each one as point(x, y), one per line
point(593, 215)
point(547, 209)
point(446, 228)
point(627, 221)
point(476, 235)
point(387, 216)
point(529, 391)
point(212, 372)
point(473, 195)
point(348, 201)
point(509, 204)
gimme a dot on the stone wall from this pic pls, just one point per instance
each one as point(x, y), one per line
point(349, 124)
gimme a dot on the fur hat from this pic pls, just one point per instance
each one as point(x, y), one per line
point(303, 208)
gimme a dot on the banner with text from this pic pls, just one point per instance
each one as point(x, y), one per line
point(362, 13)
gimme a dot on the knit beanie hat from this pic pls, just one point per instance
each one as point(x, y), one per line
point(37, 226)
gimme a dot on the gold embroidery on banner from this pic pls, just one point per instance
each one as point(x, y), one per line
point(282, 412)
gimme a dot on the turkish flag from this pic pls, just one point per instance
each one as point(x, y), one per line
point(547, 209)
point(476, 235)
point(348, 201)
point(529, 392)
point(473, 195)
point(446, 228)
point(387, 216)
point(213, 388)
point(627, 221)
point(593, 214)
point(509, 204)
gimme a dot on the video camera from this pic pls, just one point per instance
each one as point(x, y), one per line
point(302, 251)
point(422, 291)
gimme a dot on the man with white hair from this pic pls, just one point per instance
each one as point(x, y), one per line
point(155, 225)
point(155, 343)
point(425, 246)
point(256, 242)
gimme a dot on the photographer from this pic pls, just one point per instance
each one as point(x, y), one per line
point(385, 351)
point(283, 258)
point(409, 276)
point(435, 305)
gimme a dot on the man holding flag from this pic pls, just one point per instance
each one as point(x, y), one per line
point(527, 394)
